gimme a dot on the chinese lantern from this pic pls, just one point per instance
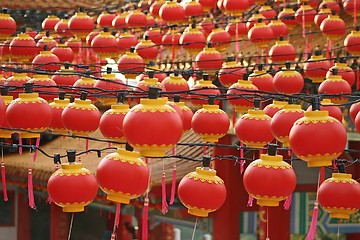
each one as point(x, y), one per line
point(193, 9)
point(262, 80)
point(202, 191)
point(317, 138)
point(8, 25)
point(150, 20)
point(357, 122)
point(207, 4)
point(123, 175)
point(75, 44)
point(144, 85)
point(209, 59)
point(62, 28)
point(352, 41)
point(4, 133)
point(343, 70)
point(119, 21)
point(241, 88)
point(334, 84)
point(46, 60)
point(125, 41)
point(187, 115)
point(305, 14)
point(163, 128)
point(49, 23)
point(86, 82)
point(236, 7)
point(269, 179)
point(147, 49)
point(334, 111)
point(5, 50)
point(155, 7)
point(81, 25)
point(282, 51)
point(81, 186)
point(65, 76)
point(261, 34)
point(351, 7)
point(267, 12)
point(154, 34)
point(316, 67)
point(105, 45)
point(254, 129)
point(175, 83)
point(29, 112)
point(219, 38)
point(339, 195)
point(135, 19)
point(279, 28)
point(287, 16)
point(23, 47)
point(283, 120)
point(274, 107)
point(50, 88)
point(210, 123)
point(81, 117)
point(330, 4)
point(204, 88)
point(237, 26)
point(193, 40)
point(255, 19)
point(333, 27)
point(231, 72)
point(322, 15)
point(207, 25)
point(18, 79)
point(105, 19)
point(171, 39)
point(111, 122)
point(160, 75)
point(288, 80)
point(131, 64)
point(57, 107)
point(63, 52)
point(354, 109)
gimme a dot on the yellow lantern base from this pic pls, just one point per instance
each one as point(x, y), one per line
point(73, 208)
point(267, 202)
point(29, 135)
point(198, 212)
point(118, 197)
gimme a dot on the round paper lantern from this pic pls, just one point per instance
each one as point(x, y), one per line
point(349, 6)
point(75, 44)
point(316, 67)
point(154, 34)
point(81, 25)
point(50, 88)
point(81, 117)
point(152, 67)
point(274, 107)
point(187, 115)
point(147, 49)
point(288, 80)
point(65, 76)
point(23, 47)
point(262, 80)
point(192, 40)
point(143, 86)
point(236, 7)
point(105, 19)
point(331, 5)
point(307, 13)
point(171, 39)
point(8, 25)
point(119, 22)
point(283, 120)
point(207, 4)
point(209, 59)
point(3, 108)
point(282, 51)
point(105, 45)
point(219, 38)
point(352, 42)
point(81, 187)
point(62, 28)
point(210, 123)
point(18, 79)
point(231, 72)
point(175, 83)
point(333, 27)
point(343, 70)
point(155, 7)
point(317, 138)
point(261, 34)
point(86, 82)
point(237, 27)
point(207, 25)
point(205, 88)
point(287, 16)
point(163, 128)
point(334, 111)
point(49, 23)
point(255, 18)
point(150, 20)
point(131, 64)
point(254, 129)
point(267, 12)
point(193, 9)
point(357, 122)
point(111, 122)
point(57, 107)
point(47, 61)
point(269, 179)
point(5, 50)
point(354, 110)
point(322, 14)
point(63, 52)
point(3, 132)
point(123, 175)
point(111, 84)
point(125, 41)
point(278, 28)
point(338, 195)
point(29, 112)
point(334, 84)
point(209, 188)
point(135, 19)
point(172, 12)
point(241, 88)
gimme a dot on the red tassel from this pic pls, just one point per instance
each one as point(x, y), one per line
point(117, 214)
point(355, 12)
point(313, 224)
point(287, 203)
point(250, 201)
point(164, 205)
point(145, 219)
point(173, 185)
point(3, 181)
point(87, 145)
point(37, 144)
point(31, 190)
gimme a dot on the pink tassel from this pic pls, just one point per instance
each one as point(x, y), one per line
point(250, 201)
point(242, 166)
point(287, 203)
point(87, 145)
point(145, 219)
point(20, 143)
point(237, 43)
point(117, 214)
point(313, 224)
point(164, 205)
point(173, 185)
point(49, 200)
point(31, 190)
point(37, 144)
point(3, 181)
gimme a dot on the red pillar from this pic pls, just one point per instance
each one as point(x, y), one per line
point(23, 218)
point(353, 236)
point(59, 223)
point(279, 223)
point(226, 221)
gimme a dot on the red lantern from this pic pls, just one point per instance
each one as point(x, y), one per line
point(350, 5)
point(63, 52)
point(334, 84)
point(135, 19)
point(105, 19)
point(111, 84)
point(175, 83)
point(254, 129)
point(171, 39)
point(207, 25)
point(105, 45)
point(125, 41)
point(322, 15)
point(29, 112)
point(279, 28)
point(236, 7)
point(205, 88)
point(333, 27)
point(81, 117)
point(354, 110)
point(202, 191)
point(65, 76)
point(346, 72)
point(57, 107)
point(269, 179)
point(317, 138)
point(255, 19)
point(3, 132)
point(62, 28)
point(81, 25)
point(231, 72)
point(237, 26)
point(219, 38)
point(209, 60)
point(111, 122)
point(81, 187)
point(119, 21)
point(47, 61)
point(155, 7)
point(187, 115)
point(155, 35)
point(262, 80)
point(193, 9)
point(210, 123)
point(288, 81)
point(23, 47)
point(75, 44)
point(331, 5)
point(274, 107)
point(316, 67)
point(282, 51)
point(50, 88)
point(287, 16)
point(49, 23)
point(207, 4)
point(241, 88)
point(307, 13)
point(283, 120)
point(147, 50)
point(192, 40)
point(8, 25)
point(267, 12)
point(334, 111)
point(160, 75)
point(172, 12)
point(339, 195)
point(163, 128)
point(18, 79)
point(46, 40)
point(86, 82)
point(352, 42)
point(261, 34)
point(123, 176)
point(5, 50)
point(131, 64)
point(143, 85)
point(357, 122)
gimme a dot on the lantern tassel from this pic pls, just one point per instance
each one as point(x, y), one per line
point(3, 181)
point(31, 190)
point(237, 43)
point(242, 162)
point(20, 144)
point(250, 201)
point(87, 145)
point(71, 224)
point(164, 205)
point(116, 221)
point(173, 185)
point(287, 203)
point(196, 221)
point(37, 144)
point(49, 200)
point(313, 224)
point(145, 219)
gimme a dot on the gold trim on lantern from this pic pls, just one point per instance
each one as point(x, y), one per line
point(26, 98)
point(59, 103)
point(153, 105)
point(319, 160)
point(72, 169)
point(59, 130)
point(256, 115)
point(342, 177)
point(252, 144)
point(293, 108)
point(343, 213)
point(315, 117)
point(129, 157)
point(73, 207)
point(274, 162)
point(82, 105)
point(205, 175)
point(199, 212)
point(213, 138)
point(153, 150)
point(269, 201)
point(118, 196)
